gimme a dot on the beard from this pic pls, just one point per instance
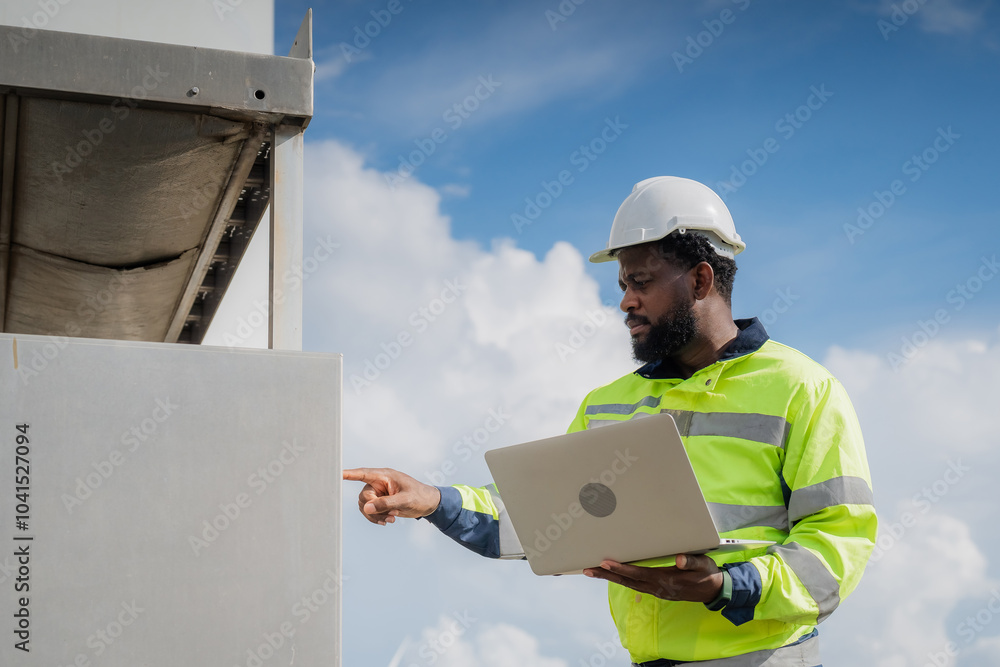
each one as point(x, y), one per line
point(675, 329)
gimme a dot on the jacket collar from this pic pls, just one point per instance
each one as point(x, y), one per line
point(750, 338)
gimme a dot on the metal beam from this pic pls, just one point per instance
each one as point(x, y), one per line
point(285, 279)
point(70, 65)
point(241, 226)
point(9, 107)
point(244, 163)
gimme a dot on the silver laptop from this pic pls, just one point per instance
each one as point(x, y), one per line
point(624, 492)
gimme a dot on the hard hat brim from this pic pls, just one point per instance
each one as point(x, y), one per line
point(601, 256)
point(609, 254)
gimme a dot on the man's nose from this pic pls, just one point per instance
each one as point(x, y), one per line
point(628, 301)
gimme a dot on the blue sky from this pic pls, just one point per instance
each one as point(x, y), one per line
point(891, 92)
point(850, 300)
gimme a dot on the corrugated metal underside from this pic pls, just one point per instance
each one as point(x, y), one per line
point(106, 207)
point(132, 175)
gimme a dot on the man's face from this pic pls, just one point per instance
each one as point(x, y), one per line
point(658, 303)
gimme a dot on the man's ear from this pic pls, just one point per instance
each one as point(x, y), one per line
point(704, 280)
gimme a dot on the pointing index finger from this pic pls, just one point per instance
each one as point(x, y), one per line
point(366, 475)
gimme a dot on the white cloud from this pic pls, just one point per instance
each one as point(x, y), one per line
point(332, 60)
point(329, 69)
point(456, 190)
point(459, 640)
point(438, 332)
point(946, 17)
point(911, 589)
point(950, 17)
point(928, 412)
point(930, 443)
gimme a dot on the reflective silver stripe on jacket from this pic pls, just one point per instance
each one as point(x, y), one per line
point(622, 408)
point(809, 500)
point(837, 491)
point(734, 517)
point(510, 546)
point(768, 429)
point(822, 586)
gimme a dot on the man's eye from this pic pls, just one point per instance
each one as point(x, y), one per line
point(635, 283)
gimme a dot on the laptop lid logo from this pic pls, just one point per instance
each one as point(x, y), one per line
point(598, 500)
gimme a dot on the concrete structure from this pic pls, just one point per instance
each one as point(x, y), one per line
point(179, 505)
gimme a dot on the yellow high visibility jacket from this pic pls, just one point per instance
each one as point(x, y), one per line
point(777, 449)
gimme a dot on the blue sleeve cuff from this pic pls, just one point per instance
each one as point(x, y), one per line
point(747, 588)
point(448, 510)
point(476, 531)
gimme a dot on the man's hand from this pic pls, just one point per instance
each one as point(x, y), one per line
point(694, 579)
point(389, 493)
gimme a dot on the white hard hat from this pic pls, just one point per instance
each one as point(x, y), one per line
point(664, 204)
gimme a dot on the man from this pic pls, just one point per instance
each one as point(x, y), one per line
point(771, 435)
